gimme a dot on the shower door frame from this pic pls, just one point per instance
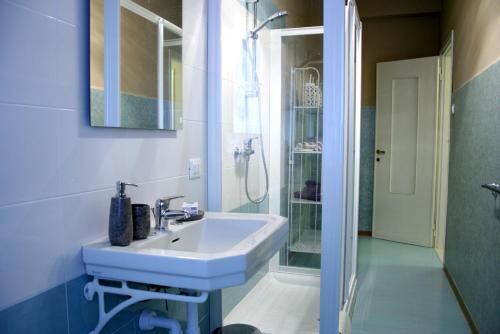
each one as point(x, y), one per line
point(333, 106)
point(275, 137)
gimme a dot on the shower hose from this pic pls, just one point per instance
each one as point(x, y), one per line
point(263, 156)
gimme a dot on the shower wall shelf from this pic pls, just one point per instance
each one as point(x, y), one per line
point(304, 204)
point(307, 152)
point(310, 242)
point(304, 201)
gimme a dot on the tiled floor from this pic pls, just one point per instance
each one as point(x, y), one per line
point(280, 304)
point(402, 290)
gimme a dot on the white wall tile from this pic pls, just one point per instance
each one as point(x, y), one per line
point(94, 159)
point(238, 121)
point(169, 157)
point(31, 259)
point(28, 147)
point(49, 151)
point(231, 198)
point(86, 216)
point(194, 33)
point(194, 91)
point(228, 91)
point(230, 140)
point(62, 10)
point(33, 59)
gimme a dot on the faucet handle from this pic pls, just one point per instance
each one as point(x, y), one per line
point(165, 201)
point(248, 142)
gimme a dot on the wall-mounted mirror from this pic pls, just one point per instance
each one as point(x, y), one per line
point(136, 64)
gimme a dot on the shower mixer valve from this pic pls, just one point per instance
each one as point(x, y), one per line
point(246, 151)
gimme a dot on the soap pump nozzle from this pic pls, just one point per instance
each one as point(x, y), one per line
point(120, 188)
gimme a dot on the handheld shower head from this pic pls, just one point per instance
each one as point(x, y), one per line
point(279, 14)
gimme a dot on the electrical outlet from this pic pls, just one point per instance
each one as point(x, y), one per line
point(194, 169)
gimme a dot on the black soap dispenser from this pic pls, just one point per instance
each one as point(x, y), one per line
point(120, 217)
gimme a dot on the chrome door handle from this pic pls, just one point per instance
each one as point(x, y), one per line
point(493, 187)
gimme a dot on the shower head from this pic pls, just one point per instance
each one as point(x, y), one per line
point(279, 14)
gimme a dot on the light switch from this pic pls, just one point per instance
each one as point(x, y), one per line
point(194, 169)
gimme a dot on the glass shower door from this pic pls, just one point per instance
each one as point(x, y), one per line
point(301, 72)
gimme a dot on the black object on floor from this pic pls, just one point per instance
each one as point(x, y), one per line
point(237, 329)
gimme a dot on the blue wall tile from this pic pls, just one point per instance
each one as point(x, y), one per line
point(473, 222)
point(366, 168)
point(136, 111)
point(129, 328)
point(83, 314)
point(44, 314)
point(64, 309)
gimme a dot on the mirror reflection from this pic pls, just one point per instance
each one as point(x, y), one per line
point(136, 64)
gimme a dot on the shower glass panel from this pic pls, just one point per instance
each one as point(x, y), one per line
point(302, 119)
point(264, 125)
point(245, 120)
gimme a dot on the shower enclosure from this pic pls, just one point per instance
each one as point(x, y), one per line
point(297, 59)
point(266, 101)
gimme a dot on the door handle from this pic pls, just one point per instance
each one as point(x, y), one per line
point(380, 152)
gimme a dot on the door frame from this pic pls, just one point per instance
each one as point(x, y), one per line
point(441, 149)
point(332, 164)
point(214, 136)
point(352, 144)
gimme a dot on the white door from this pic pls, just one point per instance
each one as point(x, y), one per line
point(404, 144)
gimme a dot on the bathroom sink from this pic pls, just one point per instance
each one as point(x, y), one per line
point(218, 251)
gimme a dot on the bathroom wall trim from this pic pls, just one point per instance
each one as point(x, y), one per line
point(461, 302)
point(214, 128)
point(351, 300)
point(477, 74)
point(346, 315)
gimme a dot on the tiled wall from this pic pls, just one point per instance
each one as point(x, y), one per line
point(135, 111)
point(473, 222)
point(58, 174)
point(241, 121)
point(366, 168)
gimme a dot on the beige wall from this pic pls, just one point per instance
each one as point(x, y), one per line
point(97, 44)
point(477, 36)
point(375, 8)
point(301, 13)
point(394, 38)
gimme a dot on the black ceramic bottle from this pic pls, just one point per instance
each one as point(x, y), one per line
point(141, 221)
point(120, 217)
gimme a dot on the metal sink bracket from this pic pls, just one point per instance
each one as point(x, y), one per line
point(93, 287)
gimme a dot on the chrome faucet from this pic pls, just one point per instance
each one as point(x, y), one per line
point(247, 150)
point(162, 212)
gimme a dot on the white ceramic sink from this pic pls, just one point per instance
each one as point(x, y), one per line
point(219, 251)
